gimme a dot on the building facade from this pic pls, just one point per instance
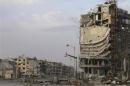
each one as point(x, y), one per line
point(26, 66)
point(7, 70)
point(43, 67)
point(104, 40)
point(56, 69)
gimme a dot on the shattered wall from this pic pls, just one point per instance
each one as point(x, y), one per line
point(103, 40)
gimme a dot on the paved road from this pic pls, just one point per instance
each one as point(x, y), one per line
point(14, 83)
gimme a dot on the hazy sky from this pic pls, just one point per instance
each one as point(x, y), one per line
point(42, 28)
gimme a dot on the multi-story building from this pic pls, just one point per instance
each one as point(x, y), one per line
point(54, 69)
point(7, 70)
point(43, 68)
point(26, 66)
point(104, 40)
point(128, 35)
point(67, 71)
point(59, 70)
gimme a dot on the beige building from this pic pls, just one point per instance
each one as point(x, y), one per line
point(26, 66)
point(7, 70)
point(9, 74)
point(104, 40)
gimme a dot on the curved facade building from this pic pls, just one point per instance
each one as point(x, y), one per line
point(94, 45)
point(104, 41)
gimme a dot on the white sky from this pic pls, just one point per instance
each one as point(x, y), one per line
point(42, 28)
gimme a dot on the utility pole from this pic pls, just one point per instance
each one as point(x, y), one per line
point(75, 58)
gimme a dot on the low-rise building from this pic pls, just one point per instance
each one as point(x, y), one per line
point(7, 70)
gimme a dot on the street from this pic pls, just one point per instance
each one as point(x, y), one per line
point(15, 83)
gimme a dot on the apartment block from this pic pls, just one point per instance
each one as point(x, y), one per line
point(104, 41)
point(59, 70)
point(26, 66)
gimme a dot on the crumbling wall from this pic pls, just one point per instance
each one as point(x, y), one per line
point(104, 40)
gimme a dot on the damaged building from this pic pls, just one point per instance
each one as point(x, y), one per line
point(104, 42)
